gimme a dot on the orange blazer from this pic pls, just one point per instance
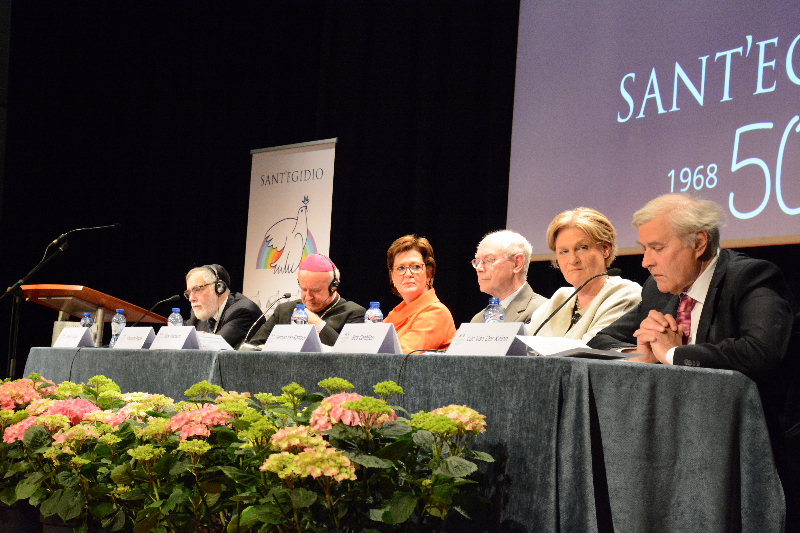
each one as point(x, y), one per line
point(424, 324)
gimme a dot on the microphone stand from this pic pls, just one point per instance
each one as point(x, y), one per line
point(16, 291)
point(247, 347)
point(170, 299)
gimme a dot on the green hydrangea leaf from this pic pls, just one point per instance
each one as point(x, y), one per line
point(314, 397)
point(28, 486)
point(369, 461)
point(36, 437)
point(8, 495)
point(392, 429)
point(146, 520)
point(114, 522)
point(70, 504)
point(479, 456)
point(48, 506)
point(68, 479)
point(122, 475)
point(395, 450)
point(303, 498)
point(453, 467)
point(424, 439)
point(397, 511)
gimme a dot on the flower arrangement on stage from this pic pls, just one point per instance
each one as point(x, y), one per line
point(226, 461)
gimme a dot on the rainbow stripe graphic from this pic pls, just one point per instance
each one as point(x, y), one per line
point(268, 256)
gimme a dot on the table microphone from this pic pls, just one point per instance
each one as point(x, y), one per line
point(609, 272)
point(249, 347)
point(170, 299)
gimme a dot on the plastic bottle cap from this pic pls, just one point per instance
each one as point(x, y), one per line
point(120, 311)
point(301, 306)
point(87, 314)
point(176, 309)
point(374, 304)
point(494, 301)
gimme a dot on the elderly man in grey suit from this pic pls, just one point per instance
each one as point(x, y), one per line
point(501, 262)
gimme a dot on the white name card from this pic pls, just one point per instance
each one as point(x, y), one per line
point(137, 338)
point(367, 338)
point(175, 338)
point(293, 338)
point(494, 338)
point(212, 342)
point(74, 338)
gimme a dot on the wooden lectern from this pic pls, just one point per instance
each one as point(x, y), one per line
point(74, 300)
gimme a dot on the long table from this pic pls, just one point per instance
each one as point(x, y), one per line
point(580, 445)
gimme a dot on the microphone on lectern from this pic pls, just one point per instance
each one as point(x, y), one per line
point(249, 347)
point(609, 272)
point(61, 238)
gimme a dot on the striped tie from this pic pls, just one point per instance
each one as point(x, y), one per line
point(685, 315)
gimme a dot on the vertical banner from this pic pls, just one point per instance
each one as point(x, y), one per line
point(291, 192)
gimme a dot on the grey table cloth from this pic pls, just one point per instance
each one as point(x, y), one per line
point(581, 445)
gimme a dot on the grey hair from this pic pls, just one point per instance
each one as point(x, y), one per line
point(512, 243)
point(686, 216)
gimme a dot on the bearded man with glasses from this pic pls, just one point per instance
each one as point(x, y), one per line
point(215, 309)
point(501, 262)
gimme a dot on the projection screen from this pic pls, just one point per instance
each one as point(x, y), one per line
point(618, 102)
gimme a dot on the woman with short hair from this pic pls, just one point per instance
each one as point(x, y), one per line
point(422, 322)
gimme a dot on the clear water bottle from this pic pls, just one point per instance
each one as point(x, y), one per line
point(175, 319)
point(494, 311)
point(117, 325)
point(299, 316)
point(86, 321)
point(373, 314)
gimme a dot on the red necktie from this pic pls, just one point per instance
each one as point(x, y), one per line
point(685, 315)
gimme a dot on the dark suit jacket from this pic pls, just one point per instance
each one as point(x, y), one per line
point(747, 320)
point(239, 314)
point(337, 314)
point(521, 307)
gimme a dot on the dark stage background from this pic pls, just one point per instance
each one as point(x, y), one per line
point(144, 113)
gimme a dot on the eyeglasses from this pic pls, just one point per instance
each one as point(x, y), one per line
point(486, 262)
point(194, 290)
point(416, 268)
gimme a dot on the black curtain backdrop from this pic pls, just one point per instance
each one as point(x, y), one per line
point(144, 113)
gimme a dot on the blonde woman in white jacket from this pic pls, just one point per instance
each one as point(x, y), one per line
point(584, 243)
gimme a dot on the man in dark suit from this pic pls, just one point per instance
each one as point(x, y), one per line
point(704, 307)
point(319, 279)
point(501, 262)
point(215, 309)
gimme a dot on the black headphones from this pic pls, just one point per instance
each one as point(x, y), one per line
point(219, 285)
point(335, 282)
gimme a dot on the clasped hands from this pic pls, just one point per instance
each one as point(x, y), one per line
point(657, 334)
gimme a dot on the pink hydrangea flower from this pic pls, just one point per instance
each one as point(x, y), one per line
point(106, 417)
point(20, 392)
point(15, 432)
point(296, 438)
point(196, 422)
point(74, 409)
point(76, 435)
point(467, 420)
point(39, 406)
point(330, 412)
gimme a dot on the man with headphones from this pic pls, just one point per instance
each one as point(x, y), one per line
point(215, 309)
point(318, 278)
